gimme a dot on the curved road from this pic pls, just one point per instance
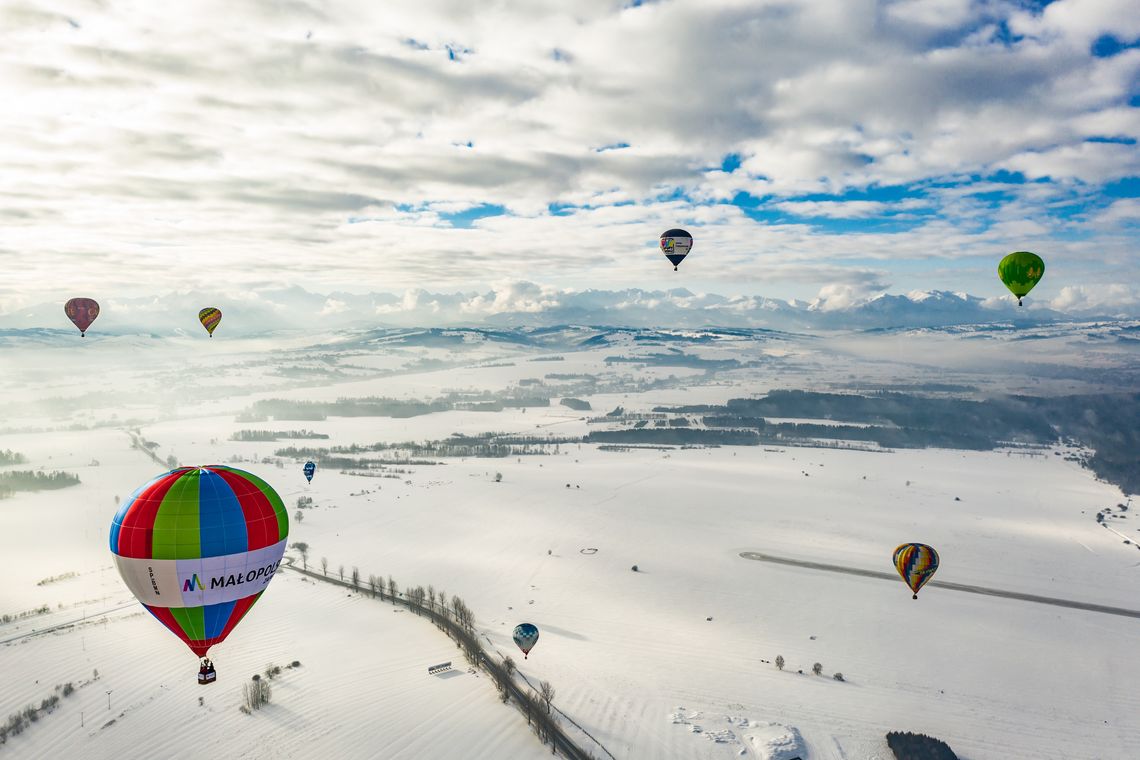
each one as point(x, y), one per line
point(760, 557)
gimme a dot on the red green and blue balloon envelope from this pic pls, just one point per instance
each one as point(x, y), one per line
point(1020, 271)
point(197, 546)
point(82, 312)
point(676, 244)
point(210, 317)
point(310, 469)
point(525, 636)
point(916, 564)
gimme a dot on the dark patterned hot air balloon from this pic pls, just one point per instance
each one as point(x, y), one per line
point(310, 469)
point(676, 244)
point(82, 312)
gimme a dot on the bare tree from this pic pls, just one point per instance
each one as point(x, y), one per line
point(393, 589)
point(509, 666)
point(298, 516)
point(546, 691)
point(431, 595)
point(342, 572)
point(817, 668)
point(780, 661)
point(255, 693)
point(373, 581)
point(325, 565)
point(303, 549)
point(355, 576)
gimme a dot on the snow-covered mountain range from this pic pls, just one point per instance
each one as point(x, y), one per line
point(525, 304)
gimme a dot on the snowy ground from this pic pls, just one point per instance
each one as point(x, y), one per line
point(634, 657)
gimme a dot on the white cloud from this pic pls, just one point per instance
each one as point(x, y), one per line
point(1110, 299)
point(160, 145)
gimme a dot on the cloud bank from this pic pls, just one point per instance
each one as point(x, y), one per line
point(441, 144)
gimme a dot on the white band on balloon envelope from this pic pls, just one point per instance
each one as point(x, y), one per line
point(198, 582)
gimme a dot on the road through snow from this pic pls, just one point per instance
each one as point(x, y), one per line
point(760, 557)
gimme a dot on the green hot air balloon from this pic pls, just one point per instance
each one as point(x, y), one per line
point(1020, 271)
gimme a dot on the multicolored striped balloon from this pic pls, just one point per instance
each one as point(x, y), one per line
point(210, 317)
point(197, 546)
point(916, 563)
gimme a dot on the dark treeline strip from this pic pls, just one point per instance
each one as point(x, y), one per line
point(676, 436)
point(1005, 419)
point(887, 437)
point(274, 435)
point(910, 746)
point(676, 360)
point(32, 480)
point(490, 446)
point(1106, 423)
point(375, 406)
point(7, 456)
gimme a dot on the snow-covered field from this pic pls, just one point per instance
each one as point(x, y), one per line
point(673, 661)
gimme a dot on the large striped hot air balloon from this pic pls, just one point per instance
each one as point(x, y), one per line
point(916, 563)
point(198, 546)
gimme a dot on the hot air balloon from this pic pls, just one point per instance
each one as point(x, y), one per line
point(675, 244)
point(210, 317)
point(916, 564)
point(1020, 271)
point(197, 546)
point(310, 468)
point(82, 312)
point(526, 636)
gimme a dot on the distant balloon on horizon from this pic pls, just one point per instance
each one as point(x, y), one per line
point(210, 317)
point(676, 244)
point(1021, 271)
point(82, 312)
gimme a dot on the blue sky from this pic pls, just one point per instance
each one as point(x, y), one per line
point(822, 149)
